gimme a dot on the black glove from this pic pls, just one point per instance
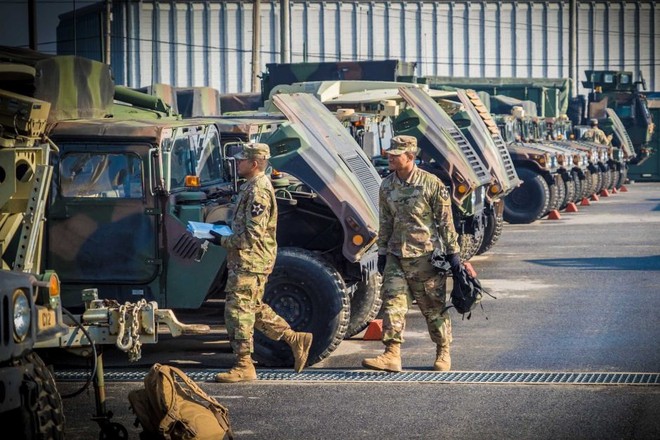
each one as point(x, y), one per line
point(216, 237)
point(382, 259)
point(454, 263)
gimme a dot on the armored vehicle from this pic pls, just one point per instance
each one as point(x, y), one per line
point(475, 121)
point(306, 194)
point(30, 406)
point(619, 154)
point(124, 192)
point(618, 91)
point(376, 111)
point(32, 314)
point(542, 187)
point(252, 125)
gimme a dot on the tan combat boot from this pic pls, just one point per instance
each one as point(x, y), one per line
point(388, 361)
point(243, 371)
point(300, 344)
point(442, 359)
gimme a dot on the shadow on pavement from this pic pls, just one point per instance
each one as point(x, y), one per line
point(651, 262)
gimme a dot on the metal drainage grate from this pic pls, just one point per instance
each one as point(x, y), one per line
point(467, 377)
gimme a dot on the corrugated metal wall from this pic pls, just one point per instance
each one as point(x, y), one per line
point(208, 43)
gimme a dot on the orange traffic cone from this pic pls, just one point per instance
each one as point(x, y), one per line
point(374, 331)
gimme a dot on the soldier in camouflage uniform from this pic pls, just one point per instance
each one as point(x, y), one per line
point(595, 134)
point(251, 256)
point(415, 217)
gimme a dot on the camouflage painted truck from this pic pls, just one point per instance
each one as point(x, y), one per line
point(617, 90)
point(124, 192)
point(306, 193)
point(372, 112)
point(248, 125)
point(30, 309)
point(621, 155)
point(475, 121)
point(32, 315)
point(541, 190)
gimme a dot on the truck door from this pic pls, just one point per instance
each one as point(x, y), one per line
point(102, 228)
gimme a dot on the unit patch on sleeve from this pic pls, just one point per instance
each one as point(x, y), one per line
point(257, 209)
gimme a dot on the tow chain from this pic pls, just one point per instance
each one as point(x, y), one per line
point(128, 339)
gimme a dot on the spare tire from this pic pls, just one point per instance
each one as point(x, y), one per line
point(311, 295)
point(529, 201)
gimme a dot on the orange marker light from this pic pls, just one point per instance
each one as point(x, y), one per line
point(192, 182)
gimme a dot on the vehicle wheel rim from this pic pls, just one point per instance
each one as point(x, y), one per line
point(292, 303)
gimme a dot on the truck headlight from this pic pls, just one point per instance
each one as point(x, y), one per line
point(22, 315)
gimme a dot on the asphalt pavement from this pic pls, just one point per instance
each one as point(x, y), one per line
point(576, 295)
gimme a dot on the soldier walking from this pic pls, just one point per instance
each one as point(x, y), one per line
point(251, 256)
point(415, 217)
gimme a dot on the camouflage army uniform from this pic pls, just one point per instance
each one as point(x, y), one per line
point(408, 233)
point(596, 135)
point(251, 256)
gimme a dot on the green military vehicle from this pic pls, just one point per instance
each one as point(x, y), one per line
point(619, 154)
point(362, 283)
point(304, 200)
point(375, 111)
point(30, 406)
point(543, 187)
point(475, 121)
point(124, 192)
point(618, 91)
point(33, 318)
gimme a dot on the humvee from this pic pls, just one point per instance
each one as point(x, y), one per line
point(124, 192)
point(373, 112)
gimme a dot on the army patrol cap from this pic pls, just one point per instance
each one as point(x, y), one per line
point(402, 144)
point(254, 151)
point(593, 121)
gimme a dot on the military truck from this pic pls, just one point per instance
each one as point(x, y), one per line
point(542, 189)
point(256, 126)
point(618, 91)
point(30, 406)
point(445, 151)
point(620, 154)
point(304, 201)
point(124, 192)
point(475, 121)
point(33, 317)
point(552, 99)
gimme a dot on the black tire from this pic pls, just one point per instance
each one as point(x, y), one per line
point(557, 194)
point(599, 182)
point(623, 176)
point(587, 184)
point(529, 201)
point(469, 244)
point(365, 305)
point(607, 179)
point(311, 295)
point(579, 190)
point(41, 415)
point(492, 232)
point(614, 178)
point(569, 192)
